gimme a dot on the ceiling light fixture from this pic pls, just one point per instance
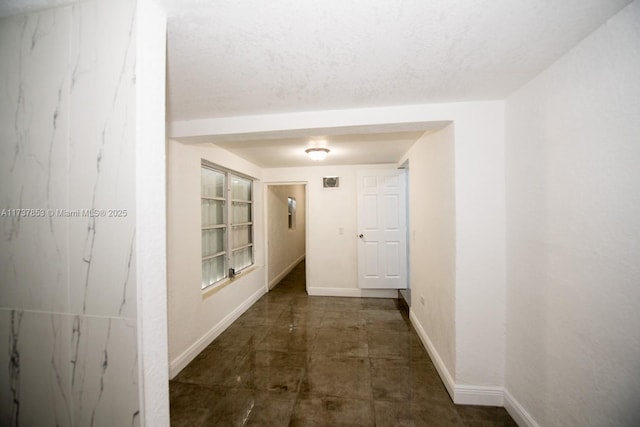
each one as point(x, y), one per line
point(317, 154)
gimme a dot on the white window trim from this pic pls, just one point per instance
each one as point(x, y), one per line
point(228, 224)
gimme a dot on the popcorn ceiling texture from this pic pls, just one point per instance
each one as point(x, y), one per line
point(246, 57)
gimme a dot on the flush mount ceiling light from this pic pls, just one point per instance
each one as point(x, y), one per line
point(317, 154)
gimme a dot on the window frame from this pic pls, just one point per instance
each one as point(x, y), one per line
point(291, 213)
point(227, 225)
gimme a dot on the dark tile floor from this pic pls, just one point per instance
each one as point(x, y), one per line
point(296, 360)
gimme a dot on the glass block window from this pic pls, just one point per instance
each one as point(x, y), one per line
point(226, 223)
point(242, 223)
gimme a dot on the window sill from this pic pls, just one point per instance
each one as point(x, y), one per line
point(210, 290)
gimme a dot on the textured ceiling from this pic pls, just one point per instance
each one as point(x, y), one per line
point(345, 149)
point(239, 57)
point(244, 57)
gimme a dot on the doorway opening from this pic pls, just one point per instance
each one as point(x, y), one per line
point(286, 229)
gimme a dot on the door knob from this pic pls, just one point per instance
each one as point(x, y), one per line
point(361, 236)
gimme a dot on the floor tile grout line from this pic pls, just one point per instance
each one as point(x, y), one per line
point(350, 308)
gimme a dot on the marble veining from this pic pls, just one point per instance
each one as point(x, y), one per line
point(103, 369)
point(132, 249)
point(67, 283)
point(106, 376)
point(75, 344)
point(14, 228)
point(88, 258)
point(52, 141)
point(14, 366)
point(20, 106)
point(58, 376)
point(48, 204)
point(105, 182)
point(34, 126)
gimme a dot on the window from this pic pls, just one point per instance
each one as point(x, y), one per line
point(291, 213)
point(226, 222)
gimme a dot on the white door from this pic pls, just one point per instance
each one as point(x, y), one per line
point(382, 249)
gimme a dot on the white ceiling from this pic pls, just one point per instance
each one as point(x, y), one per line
point(241, 57)
point(348, 145)
point(245, 57)
point(350, 149)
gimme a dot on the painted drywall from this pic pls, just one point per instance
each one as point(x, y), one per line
point(68, 280)
point(432, 236)
point(478, 133)
point(285, 246)
point(332, 225)
point(196, 318)
point(151, 237)
point(480, 248)
point(573, 235)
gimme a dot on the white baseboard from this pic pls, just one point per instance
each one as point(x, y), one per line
point(517, 412)
point(273, 282)
point(179, 363)
point(353, 292)
point(435, 357)
point(461, 394)
point(478, 395)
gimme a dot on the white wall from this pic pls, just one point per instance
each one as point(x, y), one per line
point(332, 229)
point(286, 247)
point(480, 253)
point(432, 237)
point(151, 237)
point(458, 251)
point(68, 285)
point(573, 209)
point(197, 317)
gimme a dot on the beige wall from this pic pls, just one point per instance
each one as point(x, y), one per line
point(331, 238)
point(197, 317)
point(286, 247)
point(432, 240)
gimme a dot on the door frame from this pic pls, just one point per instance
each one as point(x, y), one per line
point(267, 251)
point(406, 293)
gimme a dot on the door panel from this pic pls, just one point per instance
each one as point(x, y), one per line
point(371, 259)
point(392, 255)
point(391, 181)
point(382, 257)
point(390, 207)
point(369, 216)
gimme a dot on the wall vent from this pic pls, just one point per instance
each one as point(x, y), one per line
point(330, 182)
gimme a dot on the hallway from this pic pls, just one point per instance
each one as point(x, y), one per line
point(297, 360)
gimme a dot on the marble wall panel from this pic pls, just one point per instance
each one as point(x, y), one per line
point(105, 377)
point(102, 159)
point(35, 384)
point(67, 279)
point(67, 369)
point(34, 133)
